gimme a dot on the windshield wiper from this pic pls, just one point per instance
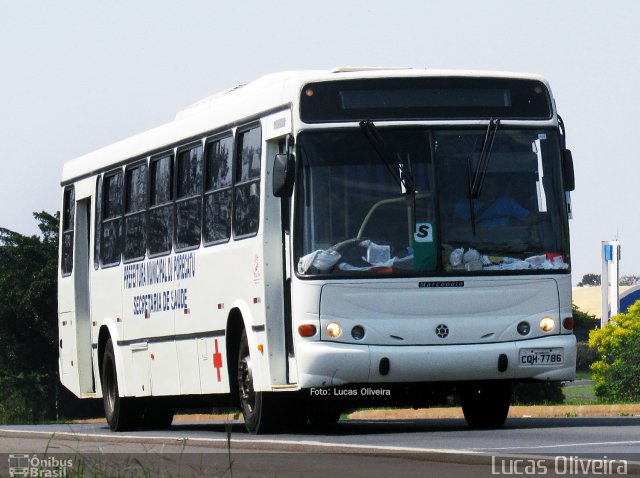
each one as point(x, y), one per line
point(401, 172)
point(485, 156)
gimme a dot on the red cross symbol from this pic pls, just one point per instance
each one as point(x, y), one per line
point(217, 361)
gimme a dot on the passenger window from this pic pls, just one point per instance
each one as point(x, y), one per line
point(112, 219)
point(135, 219)
point(189, 198)
point(68, 213)
point(160, 213)
point(217, 198)
point(247, 184)
point(98, 224)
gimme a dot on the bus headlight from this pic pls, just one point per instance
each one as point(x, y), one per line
point(334, 329)
point(547, 324)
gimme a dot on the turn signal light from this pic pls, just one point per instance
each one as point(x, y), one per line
point(307, 330)
point(567, 323)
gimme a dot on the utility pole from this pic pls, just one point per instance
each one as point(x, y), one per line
point(610, 274)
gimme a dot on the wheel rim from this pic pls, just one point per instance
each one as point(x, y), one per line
point(245, 384)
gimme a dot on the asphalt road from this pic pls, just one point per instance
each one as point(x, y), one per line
point(559, 447)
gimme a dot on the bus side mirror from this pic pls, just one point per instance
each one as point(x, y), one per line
point(284, 168)
point(567, 170)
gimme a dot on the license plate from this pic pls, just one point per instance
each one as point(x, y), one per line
point(541, 357)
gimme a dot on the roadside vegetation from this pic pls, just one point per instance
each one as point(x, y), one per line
point(616, 373)
point(583, 325)
point(609, 357)
point(30, 391)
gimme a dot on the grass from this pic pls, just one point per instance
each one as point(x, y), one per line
point(583, 375)
point(580, 395)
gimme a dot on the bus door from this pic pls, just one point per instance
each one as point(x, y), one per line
point(277, 256)
point(75, 317)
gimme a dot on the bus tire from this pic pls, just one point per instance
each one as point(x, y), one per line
point(259, 409)
point(486, 404)
point(122, 413)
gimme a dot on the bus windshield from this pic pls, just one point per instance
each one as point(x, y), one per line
point(355, 217)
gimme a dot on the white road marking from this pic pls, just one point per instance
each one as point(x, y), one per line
point(563, 445)
point(188, 440)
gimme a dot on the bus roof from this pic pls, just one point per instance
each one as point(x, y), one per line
point(269, 92)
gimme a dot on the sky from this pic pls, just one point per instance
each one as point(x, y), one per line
point(78, 75)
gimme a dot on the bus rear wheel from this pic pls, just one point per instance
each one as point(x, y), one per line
point(122, 413)
point(486, 404)
point(261, 410)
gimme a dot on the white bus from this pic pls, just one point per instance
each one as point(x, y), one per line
point(321, 240)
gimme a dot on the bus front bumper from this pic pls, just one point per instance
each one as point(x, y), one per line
point(327, 364)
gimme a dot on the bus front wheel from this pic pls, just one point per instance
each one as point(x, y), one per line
point(261, 410)
point(486, 404)
point(122, 413)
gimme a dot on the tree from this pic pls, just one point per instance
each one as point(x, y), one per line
point(583, 324)
point(594, 279)
point(28, 322)
point(30, 390)
point(617, 373)
point(630, 280)
point(589, 280)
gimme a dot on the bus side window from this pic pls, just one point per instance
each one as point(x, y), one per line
point(112, 222)
point(160, 206)
point(98, 224)
point(247, 184)
point(217, 196)
point(189, 198)
point(135, 219)
point(66, 265)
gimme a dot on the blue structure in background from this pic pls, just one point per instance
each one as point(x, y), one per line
point(628, 298)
